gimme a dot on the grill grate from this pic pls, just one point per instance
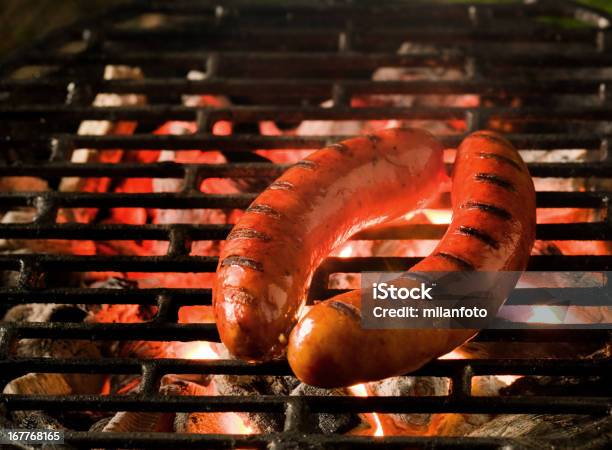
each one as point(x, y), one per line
point(279, 62)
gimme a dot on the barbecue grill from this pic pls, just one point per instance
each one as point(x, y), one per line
point(278, 63)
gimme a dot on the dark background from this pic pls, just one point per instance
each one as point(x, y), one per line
point(24, 20)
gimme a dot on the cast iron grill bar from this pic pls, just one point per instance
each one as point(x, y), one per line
point(50, 262)
point(317, 88)
point(160, 332)
point(248, 142)
point(557, 232)
point(283, 61)
point(164, 366)
point(349, 9)
point(544, 199)
point(255, 37)
point(251, 170)
point(178, 297)
point(599, 406)
point(249, 114)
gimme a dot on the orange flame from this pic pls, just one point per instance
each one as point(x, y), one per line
point(458, 354)
point(455, 354)
point(200, 350)
point(346, 252)
point(230, 422)
point(435, 216)
point(359, 390)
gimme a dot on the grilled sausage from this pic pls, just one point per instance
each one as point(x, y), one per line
point(492, 229)
point(270, 255)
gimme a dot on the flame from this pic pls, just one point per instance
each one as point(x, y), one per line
point(508, 379)
point(435, 216)
point(438, 216)
point(359, 390)
point(200, 350)
point(229, 422)
point(455, 354)
point(235, 424)
point(346, 252)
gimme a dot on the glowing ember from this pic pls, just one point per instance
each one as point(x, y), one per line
point(234, 424)
point(359, 390)
point(228, 422)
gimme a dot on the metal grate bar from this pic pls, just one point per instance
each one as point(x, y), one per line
point(294, 114)
point(316, 88)
point(282, 61)
point(557, 232)
point(248, 142)
point(251, 170)
point(320, 404)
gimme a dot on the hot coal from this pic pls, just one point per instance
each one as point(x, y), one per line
point(56, 348)
point(257, 385)
point(596, 386)
point(327, 423)
point(539, 431)
point(410, 387)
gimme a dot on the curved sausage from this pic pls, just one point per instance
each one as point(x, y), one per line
point(492, 229)
point(267, 263)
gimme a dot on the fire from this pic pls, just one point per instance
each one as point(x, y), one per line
point(234, 424)
point(359, 390)
point(435, 216)
point(200, 350)
point(505, 379)
point(346, 252)
point(230, 422)
point(438, 216)
point(455, 354)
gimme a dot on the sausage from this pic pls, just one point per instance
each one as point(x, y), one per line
point(270, 255)
point(492, 229)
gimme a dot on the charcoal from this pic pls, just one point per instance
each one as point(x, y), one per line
point(27, 184)
point(257, 385)
point(100, 424)
point(37, 384)
point(561, 386)
point(411, 387)
point(129, 421)
point(462, 424)
point(39, 420)
point(113, 313)
point(328, 423)
point(199, 422)
point(55, 246)
point(539, 431)
point(11, 278)
point(57, 348)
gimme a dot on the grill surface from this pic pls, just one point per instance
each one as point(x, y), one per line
point(279, 63)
